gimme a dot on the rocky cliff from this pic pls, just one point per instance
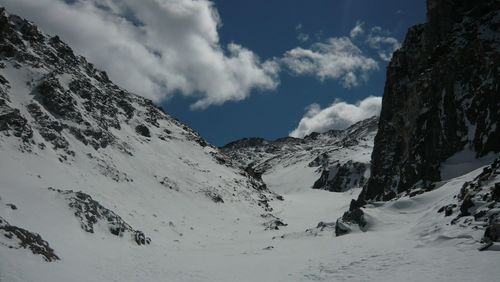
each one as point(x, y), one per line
point(441, 97)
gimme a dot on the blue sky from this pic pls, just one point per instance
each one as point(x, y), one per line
point(269, 29)
point(231, 69)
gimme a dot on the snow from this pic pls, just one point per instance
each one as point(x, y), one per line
point(463, 162)
point(407, 239)
point(289, 179)
point(195, 239)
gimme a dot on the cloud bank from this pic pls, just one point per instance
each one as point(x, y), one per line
point(155, 48)
point(338, 115)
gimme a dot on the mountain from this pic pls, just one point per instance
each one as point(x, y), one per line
point(337, 160)
point(99, 184)
point(440, 117)
point(85, 163)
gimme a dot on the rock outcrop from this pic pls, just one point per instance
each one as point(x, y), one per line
point(342, 177)
point(16, 237)
point(91, 213)
point(478, 203)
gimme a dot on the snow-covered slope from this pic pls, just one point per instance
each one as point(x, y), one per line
point(337, 160)
point(92, 168)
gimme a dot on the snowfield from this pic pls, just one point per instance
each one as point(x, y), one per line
point(407, 241)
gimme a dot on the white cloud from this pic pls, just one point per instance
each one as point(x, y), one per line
point(382, 42)
point(301, 36)
point(357, 30)
point(155, 48)
point(338, 115)
point(336, 58)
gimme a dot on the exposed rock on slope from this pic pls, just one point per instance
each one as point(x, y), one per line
point(478, 203)
point(337, 160)
point(16, 237)
point(91, 214)
point(441, 97)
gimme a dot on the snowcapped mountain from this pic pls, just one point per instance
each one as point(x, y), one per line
point(337, 160)
point(84, 163)
point(98, 184)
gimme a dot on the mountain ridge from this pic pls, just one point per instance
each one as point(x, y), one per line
point(80, 144)
point(339, 159)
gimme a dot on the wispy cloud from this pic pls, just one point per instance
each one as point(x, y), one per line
point(336, 58)
point(301, 35)
point(338, 115)
point(156, 48)
point(380, 40)
point(357, 30)
point(342, 58)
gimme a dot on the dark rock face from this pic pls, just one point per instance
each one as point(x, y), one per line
point(495, 193)
point(257, 175)
point(52, 96)
point(50, 129)
point(21, 238)
point(89, 212)
point(441, 96)
point(354, 216)
point(492, 233)
point(143, 130)
point(12, 122)
point(448, 210)
point(343, 177)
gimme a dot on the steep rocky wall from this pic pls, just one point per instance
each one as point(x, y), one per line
point(441, 96)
